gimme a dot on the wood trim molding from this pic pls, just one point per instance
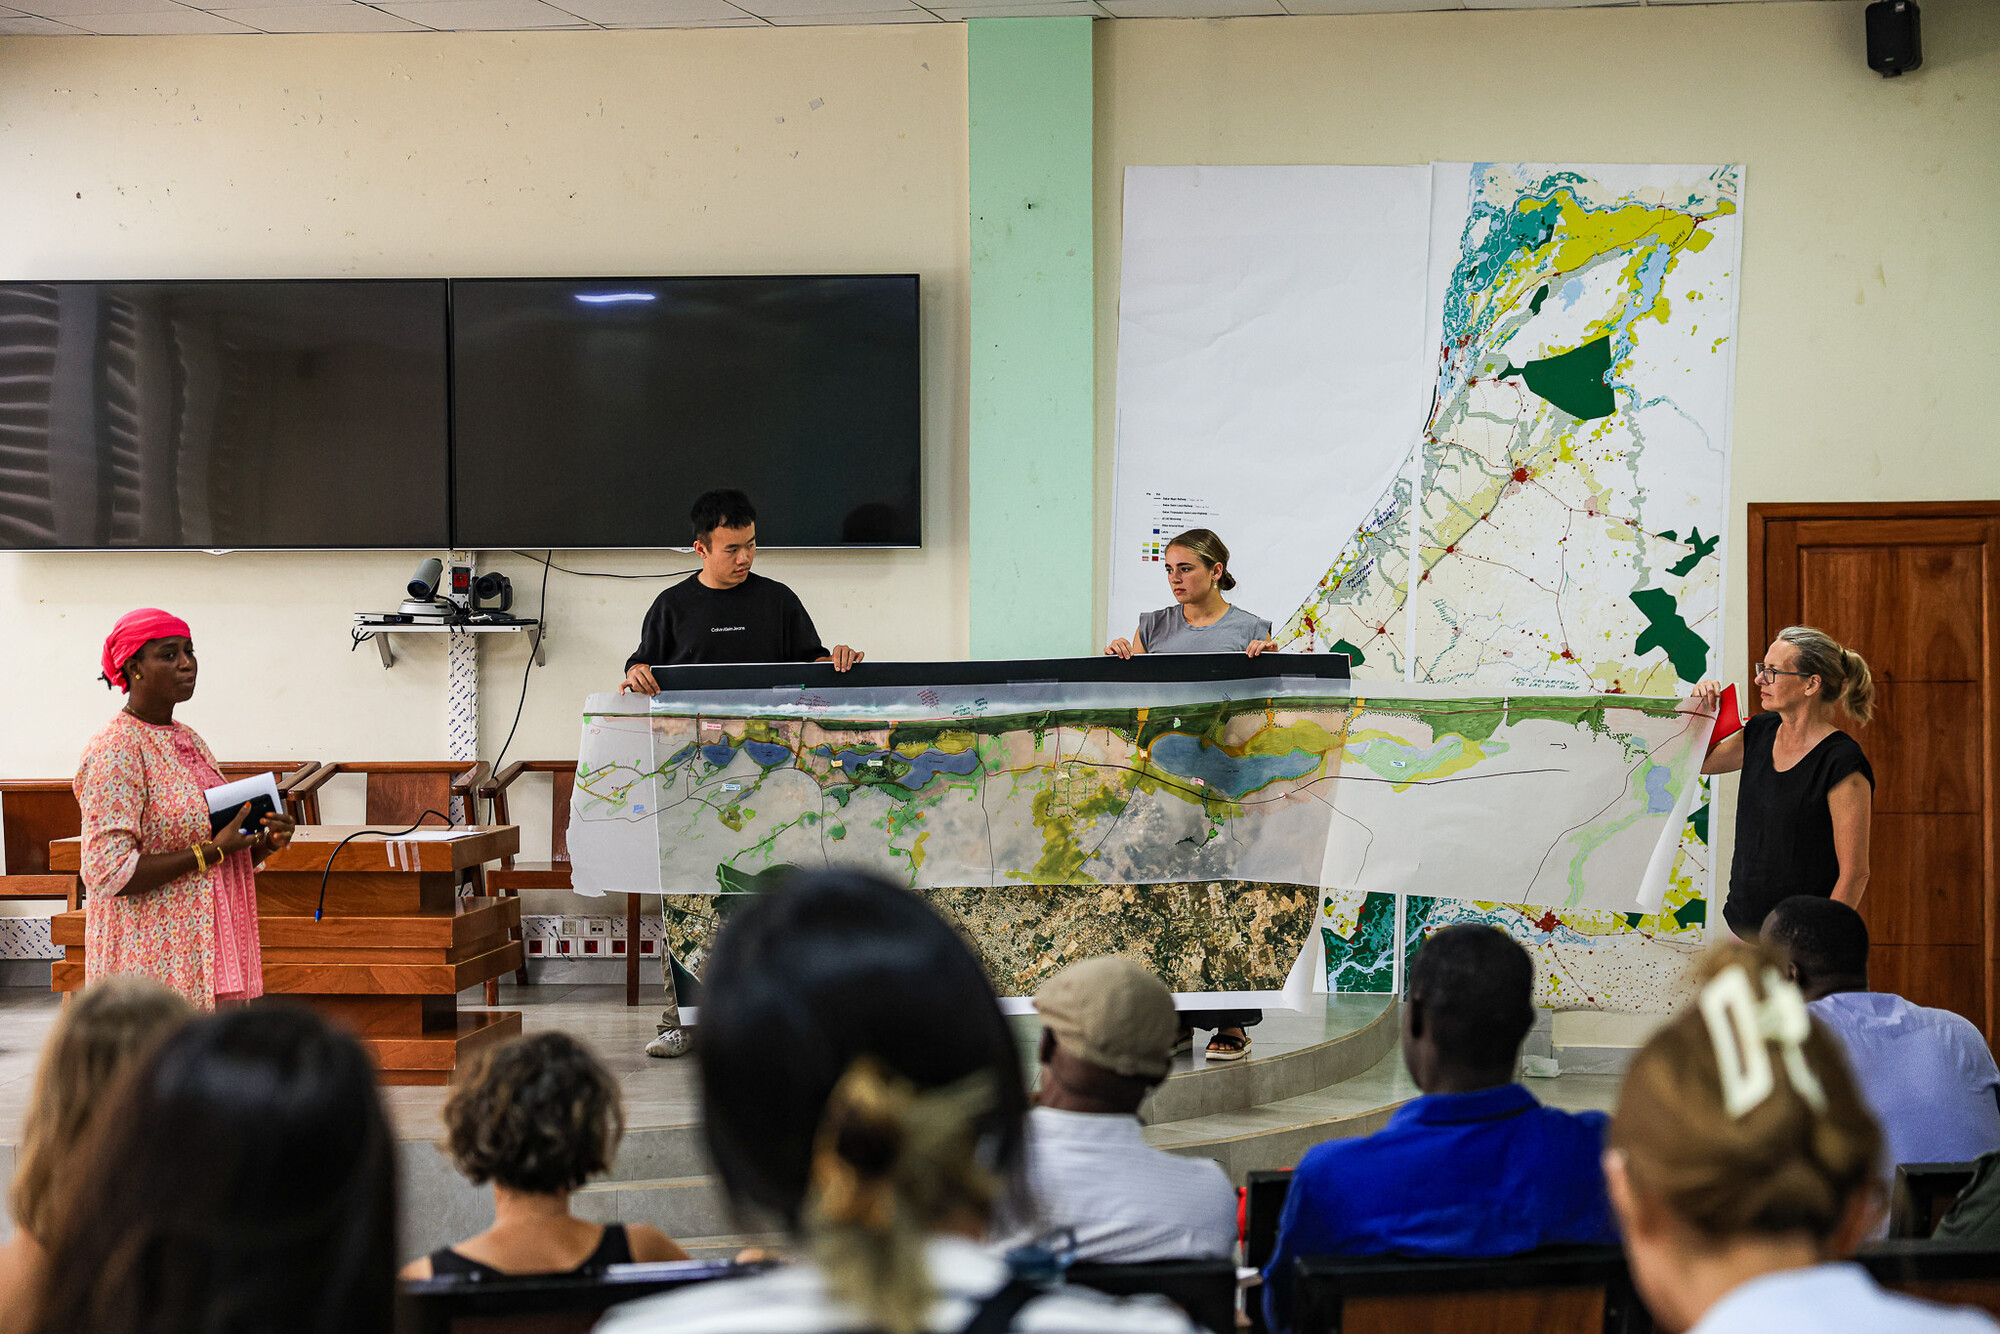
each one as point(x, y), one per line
point(1764, 511)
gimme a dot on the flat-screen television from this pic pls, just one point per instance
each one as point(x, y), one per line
point(592, 412)
point(163, 415)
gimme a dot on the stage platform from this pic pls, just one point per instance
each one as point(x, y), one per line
point(1331, 1072)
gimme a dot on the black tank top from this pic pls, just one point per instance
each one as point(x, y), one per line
point(1784, 831)
point(612, 1249)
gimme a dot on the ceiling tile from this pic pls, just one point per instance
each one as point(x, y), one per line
point(771, 8)
point(1370, 6)
point(62, 9)
point(746, 21)
point(264, 4)
point(484, 15)
point(660, 13)
point(27, 25)
point(1191, 9)
point(319, 17)
point(1017, 9)
point(911, 15)
point(1550, 4)
point(154, 24)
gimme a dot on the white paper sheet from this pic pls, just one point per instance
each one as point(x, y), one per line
point(1272, 369)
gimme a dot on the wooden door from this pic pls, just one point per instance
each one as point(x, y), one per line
point(1911, 587)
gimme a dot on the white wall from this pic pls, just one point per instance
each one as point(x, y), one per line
point(1866, 351)
point(468, 155)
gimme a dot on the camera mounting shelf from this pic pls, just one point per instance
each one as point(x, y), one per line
point(380, 626)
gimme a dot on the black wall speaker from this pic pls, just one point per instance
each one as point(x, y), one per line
point(1895, 45)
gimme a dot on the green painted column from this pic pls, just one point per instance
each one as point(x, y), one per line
point(1033, 337)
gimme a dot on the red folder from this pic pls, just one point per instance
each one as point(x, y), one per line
point(1728, 718)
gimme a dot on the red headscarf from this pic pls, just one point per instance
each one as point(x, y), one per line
point(131, 634)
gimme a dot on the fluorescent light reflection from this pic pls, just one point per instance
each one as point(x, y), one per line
point(614, 298)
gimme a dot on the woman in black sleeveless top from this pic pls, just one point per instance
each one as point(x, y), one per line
point(1802, 810)
point(538, 1117)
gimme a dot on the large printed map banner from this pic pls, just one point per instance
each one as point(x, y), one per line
point(1101, 788)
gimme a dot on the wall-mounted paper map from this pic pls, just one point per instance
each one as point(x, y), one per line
point(1538, 504)
point(1570, 800)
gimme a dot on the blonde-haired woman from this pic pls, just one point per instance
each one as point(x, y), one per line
point(97, 1038)
point(1803, 807)
point(1742, 1165)
point(1201, 620)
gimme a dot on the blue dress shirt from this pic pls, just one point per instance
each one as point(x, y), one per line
point(1926, 1073)
point(1452, 1174)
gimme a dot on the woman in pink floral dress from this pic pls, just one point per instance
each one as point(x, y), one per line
point(167, 899)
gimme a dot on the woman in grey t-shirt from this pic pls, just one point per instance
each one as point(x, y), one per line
point(1200, 621)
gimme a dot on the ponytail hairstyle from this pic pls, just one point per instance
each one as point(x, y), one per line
point(1843, 673)
point(859, 1081)
point(1208, 549)
point(1741, 1117)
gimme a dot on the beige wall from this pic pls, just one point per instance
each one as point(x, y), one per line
point(1871, 254)
point(803, 150)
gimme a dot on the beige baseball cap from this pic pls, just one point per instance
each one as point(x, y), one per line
point(1114, 1013)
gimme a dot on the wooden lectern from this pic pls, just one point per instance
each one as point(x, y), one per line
point(391, 954)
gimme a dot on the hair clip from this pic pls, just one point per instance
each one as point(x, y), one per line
point(1741, 1026)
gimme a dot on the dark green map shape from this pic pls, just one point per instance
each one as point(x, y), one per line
point(1573, 381)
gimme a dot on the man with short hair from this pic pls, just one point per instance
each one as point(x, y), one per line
point(1927, 1073)
point(723, 612)
point(1474, 1167)
point(1108, 1031)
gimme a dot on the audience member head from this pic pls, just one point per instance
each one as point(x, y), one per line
point(858, 1080)
point(540, 1115)
point(1467, 1007)
point(1108, 1032)
point(241, 1178)
point(1843, 676)
point(96, 1038)
point(1826, 942)
point(1741, 1144)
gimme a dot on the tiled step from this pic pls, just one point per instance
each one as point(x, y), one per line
point(1275, 1134)
point(1314, 1051)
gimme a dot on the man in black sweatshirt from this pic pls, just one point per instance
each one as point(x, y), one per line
point(724, 613)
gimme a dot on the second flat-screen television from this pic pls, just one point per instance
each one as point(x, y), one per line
point(591, 413)
point(162, 415)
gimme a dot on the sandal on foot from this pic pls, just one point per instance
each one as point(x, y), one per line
point(1228, 1047)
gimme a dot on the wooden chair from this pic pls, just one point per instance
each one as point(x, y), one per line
point(1924, 1194)
point(290, 774)
point(511, 876)
point(1205, 1289)
point(542, 1304)
point(1558, 1290)
point(1959, 1273)
point(35, 812)
point(401, 791)
point(1264, 1195)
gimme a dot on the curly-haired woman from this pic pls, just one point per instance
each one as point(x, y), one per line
point(538, 1117)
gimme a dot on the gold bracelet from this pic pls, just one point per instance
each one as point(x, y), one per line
point(200, 859)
